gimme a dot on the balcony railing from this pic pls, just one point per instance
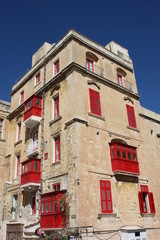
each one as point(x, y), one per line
point(126, 166)
point(95, 69)
point(33, 148)
point(126, 85)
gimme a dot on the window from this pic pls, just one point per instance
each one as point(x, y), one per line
point(17, 173)
point(95, 102)
point(1, 127)
point(35, 136)
point(131, 116)
point(123, 152)
point(146, 200)
point(46, 156)
point(37, 79)
point(14, 206)
point(90, 65)
point(56, 67)
point(18, 131)
point(21, 100)
point(57, 149)
point(106, 196)
point(56, 107)
point(56, 187)
point(120, 80)
point(33, 205)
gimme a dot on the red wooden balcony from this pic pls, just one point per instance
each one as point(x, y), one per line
point(52, 210)
point(124, 159)
point(32, 111)
point(31, 174)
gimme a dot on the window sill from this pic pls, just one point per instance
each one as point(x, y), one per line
point(36, 84)
point(106, 215)
point(55, 120)
point(147, 214)
point(56, 163)
point(96, 116)
point(16, 143)
point(132, 128)
point(2, 140)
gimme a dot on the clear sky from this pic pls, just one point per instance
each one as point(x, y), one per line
point(135, 24)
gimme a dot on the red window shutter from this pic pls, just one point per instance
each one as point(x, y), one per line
point(151, 203)
point(140, 195)
point(131, 116)
point(106, 197)
point(95, 102)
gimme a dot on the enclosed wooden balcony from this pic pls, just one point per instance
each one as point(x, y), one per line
point(31, 173)
point(124, 159)
point(53, 210)
point(32, 111)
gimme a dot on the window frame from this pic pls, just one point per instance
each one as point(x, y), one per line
point(21, 98)
point(37, 78)
point(55, 185)
point(57, 144)
point(19, 130)
point(95, 103)
point(17, 169)
point(120, 79)
point(146, 200)
point(106, 189)
point(56, 67)
point(55, 107)
point(131, 116)
point(1, 128)
point(90, 65)
point(33, 205)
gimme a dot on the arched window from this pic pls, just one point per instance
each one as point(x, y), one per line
point(121, 74)
point(90, 61)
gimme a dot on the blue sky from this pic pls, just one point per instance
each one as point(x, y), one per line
point(135, 24)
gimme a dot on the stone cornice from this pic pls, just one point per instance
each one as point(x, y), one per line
point(72, 34)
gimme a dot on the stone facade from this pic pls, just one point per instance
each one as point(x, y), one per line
point(68, 71)
point(4, 111)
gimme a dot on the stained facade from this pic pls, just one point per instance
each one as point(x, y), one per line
point(77, 131)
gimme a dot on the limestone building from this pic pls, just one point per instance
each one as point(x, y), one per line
point(4, 111)
point(77, 129)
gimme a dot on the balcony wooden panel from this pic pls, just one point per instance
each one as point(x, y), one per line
point(31, 172)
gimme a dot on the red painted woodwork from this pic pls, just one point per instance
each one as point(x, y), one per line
point(33, 107)
point(124, 158)
point(57, 149)
point(151, 202)
point(106, 196)
point(56, 68)
point(56, 107)
point(131, 116)
point(146, 200)
point(90, 65)
point(120, 81)
point(31, 171)
point(52, 210)
point(95, 102)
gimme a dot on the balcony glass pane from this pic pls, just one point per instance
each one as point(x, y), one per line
point(134, 157)
point(119, 153)
point(35, 166)
point(129, 156)
point(124, 155)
